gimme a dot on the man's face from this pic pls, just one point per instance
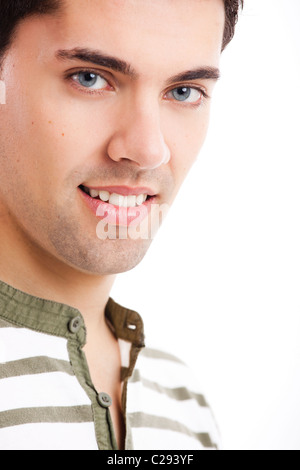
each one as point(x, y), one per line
point(133, 125)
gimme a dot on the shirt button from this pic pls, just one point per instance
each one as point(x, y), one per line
point(75, 325)
point(104, 400)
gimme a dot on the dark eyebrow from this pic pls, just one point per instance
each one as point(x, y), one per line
point(97, 58)
point(118, 65)
point(202, 73)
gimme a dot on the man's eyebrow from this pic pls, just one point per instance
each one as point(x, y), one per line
point(97, 58)
point(118, 65)
point(202, 73)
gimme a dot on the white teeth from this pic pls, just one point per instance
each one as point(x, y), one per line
point(94, 193)
point(140, 199)
point(104, 196)
point(131, 201)
point(117, 199)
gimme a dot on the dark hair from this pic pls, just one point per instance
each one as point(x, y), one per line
point(14, 11)
point(232, 8)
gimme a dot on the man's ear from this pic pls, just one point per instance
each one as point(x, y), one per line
point(2, 92)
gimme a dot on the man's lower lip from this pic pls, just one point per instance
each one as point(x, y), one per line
point(115, 215)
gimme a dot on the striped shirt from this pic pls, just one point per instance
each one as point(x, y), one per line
point(47, 398)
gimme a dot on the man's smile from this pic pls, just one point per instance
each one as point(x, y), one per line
point(120, 195)
point(119, 205)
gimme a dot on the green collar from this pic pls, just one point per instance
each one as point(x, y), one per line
point(56, 319)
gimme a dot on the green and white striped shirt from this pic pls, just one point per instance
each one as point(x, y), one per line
point(47, 398)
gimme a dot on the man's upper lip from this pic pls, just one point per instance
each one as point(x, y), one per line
point(124, 190)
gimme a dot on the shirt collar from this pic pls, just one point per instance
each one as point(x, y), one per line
point(53, 318)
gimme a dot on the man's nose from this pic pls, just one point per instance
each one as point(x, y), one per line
point(139, 138)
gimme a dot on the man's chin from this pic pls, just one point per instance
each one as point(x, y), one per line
point(110, 257)
point(124, 256)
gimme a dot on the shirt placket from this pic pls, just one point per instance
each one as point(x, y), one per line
point(100, 402)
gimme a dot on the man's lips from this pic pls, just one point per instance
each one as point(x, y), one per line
point(124, 190)
point(115, 214)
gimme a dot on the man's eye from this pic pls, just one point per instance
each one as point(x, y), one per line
point(90, 80)
point(186, 95)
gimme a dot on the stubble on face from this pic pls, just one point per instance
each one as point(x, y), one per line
point(53, 139)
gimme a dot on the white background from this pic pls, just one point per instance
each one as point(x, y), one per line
point(224, 295)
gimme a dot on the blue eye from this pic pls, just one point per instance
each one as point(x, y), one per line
point(90, 80)
point(186, 94)
point(87, 79)
point(181, 94)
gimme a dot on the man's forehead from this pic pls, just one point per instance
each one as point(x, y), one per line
point(155, 39)
point(144, 28)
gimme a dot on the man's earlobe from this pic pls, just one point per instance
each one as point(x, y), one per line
point(2, 92)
